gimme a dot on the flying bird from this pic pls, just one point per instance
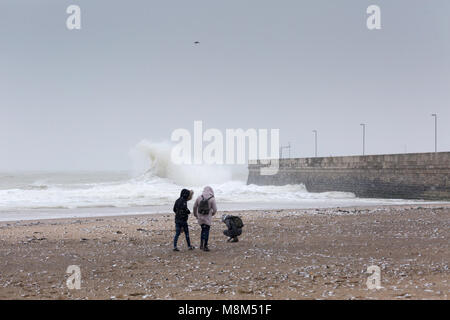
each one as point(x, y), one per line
point(197, 42)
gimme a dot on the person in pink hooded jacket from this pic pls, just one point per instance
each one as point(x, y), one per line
point(204, 209)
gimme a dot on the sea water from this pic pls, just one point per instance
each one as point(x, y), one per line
point(153, 188)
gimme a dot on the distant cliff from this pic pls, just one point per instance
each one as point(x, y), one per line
point(403, 176)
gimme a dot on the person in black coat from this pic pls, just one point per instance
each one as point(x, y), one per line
point(234, 227)
point(181, 217)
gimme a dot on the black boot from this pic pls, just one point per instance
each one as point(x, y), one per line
point(202, 244)
point(205, 246)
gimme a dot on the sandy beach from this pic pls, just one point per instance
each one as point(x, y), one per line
point(282, 254)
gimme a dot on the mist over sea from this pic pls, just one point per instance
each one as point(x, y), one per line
point(151, 187)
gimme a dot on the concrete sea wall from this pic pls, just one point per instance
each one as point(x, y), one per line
point(397, 176)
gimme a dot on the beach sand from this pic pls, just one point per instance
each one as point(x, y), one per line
point(282, 254)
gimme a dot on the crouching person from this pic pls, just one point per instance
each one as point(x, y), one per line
point(234, 227)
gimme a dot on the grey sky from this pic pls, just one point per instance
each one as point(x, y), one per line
point(72, 100)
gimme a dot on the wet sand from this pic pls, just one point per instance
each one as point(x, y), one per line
point(282, 254)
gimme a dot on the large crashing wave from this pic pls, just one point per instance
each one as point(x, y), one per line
point(154, 160)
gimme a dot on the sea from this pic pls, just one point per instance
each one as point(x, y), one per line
point(152, 186)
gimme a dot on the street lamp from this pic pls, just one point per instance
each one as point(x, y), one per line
point(289, 148)
point(435, 131)
point(315, 142)
point(364, 138)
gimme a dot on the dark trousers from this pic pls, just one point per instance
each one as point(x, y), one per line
point(181, 226)
point(233, 233)
point(205, 233)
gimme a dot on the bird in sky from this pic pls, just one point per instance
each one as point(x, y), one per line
point(197, 42)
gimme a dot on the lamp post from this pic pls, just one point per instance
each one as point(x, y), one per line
point(315, 143)
point(364, 138)
point(435, 131)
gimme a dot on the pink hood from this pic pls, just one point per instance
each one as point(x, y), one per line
point(208, 192)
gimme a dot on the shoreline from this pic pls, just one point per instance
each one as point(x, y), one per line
point(423, 204)
point(318, 253)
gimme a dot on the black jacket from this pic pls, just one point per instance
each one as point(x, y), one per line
point(180, 207)
point(233, 230)
point(231, 225)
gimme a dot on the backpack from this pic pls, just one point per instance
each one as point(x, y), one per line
point(203, 206)
point(238, 222)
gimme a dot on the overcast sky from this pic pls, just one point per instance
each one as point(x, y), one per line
point(79, 100)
